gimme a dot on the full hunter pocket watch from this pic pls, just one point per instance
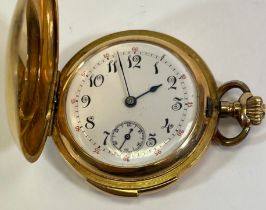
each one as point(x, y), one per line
point(130, 112)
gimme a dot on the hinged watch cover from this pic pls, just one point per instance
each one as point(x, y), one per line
point(32, 72)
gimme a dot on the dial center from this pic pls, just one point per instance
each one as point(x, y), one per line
point(131, 101)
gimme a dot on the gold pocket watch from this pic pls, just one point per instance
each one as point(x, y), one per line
point(130, 112)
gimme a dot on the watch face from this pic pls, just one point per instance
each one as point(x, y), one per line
point(131, 104)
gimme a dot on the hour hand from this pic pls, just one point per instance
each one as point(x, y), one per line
point(151, 90)
point(131, 101)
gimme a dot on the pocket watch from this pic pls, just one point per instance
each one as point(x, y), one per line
point(130, 112)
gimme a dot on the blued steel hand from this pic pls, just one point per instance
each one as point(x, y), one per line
point(121, 66)
point(151, 90)
point(127, 137)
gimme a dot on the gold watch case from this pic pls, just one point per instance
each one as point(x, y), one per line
point(131, 181)
point(37, 98)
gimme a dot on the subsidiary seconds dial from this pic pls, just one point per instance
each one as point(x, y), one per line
point(131, 104)
point(128, 136)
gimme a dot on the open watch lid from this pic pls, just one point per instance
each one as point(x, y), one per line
point(32, 64)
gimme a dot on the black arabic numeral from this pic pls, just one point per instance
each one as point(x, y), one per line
point(136, 59)
point(90, 122)
point(177, 105)
point(151, 142)
point(172, 81)
point(129, 62)
point(86, 100)
point(112, 66)
point(168, 126)
point(96, 81)
point(156, 68)
point(107, 135)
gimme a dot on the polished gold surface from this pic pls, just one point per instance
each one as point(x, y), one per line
point(128, 181)
point(248, 110)
point(31, 71)
point(255, 110)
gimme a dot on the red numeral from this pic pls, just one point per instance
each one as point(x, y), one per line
point(126, 158)
point(157, 152)
point(183, 77)
point(97, 150)
point(107, 56)
point(77, 128)
point(189, 104)
point(73, 101)
point(180, 132)
point(135, 49)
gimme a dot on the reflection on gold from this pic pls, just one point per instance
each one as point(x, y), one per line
point(32, 69)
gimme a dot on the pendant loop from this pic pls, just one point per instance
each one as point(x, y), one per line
point(248, 110)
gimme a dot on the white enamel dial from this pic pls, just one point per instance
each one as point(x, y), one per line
point(131, 104)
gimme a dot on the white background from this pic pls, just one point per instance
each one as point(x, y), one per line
point(231, 38)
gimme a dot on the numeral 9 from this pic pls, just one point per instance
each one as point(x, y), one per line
point(86, 100)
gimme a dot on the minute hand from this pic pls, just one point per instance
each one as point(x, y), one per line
point(121, 66)
point(151, 90)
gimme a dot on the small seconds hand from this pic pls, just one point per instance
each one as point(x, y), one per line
point(121, 66)
point(127, 137)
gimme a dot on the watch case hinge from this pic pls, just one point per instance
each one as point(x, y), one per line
point(55, 103)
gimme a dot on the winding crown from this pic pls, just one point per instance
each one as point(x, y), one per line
point(255, 110)
point(248, 110)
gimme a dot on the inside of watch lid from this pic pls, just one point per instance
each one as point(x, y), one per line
point(32, 69)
